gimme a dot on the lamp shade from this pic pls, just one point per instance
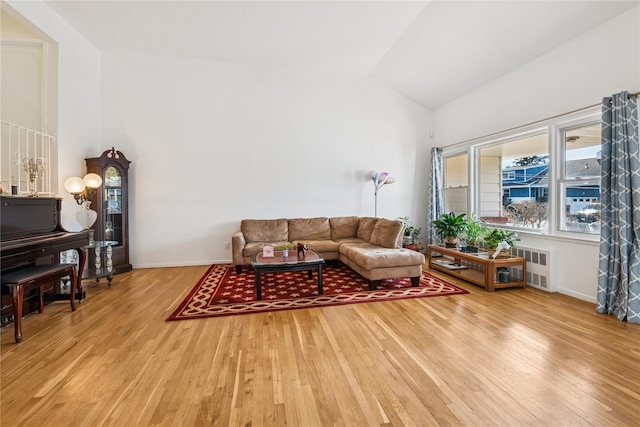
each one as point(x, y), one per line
point(74, 185)
point(92, 180)
point(379, 179)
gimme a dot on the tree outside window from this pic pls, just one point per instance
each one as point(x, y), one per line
point(514, 182)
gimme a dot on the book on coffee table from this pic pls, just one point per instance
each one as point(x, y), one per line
point(449, 265)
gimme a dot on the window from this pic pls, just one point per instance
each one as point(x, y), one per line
point(514, 182)
point(456, 183)
point(508, 176)
point(542, 178)
point(580, 181)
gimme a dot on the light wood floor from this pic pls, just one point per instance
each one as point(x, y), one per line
point(509, 358)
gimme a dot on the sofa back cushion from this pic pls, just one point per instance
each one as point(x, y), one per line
point(265, 230)
point(365, 228)
point(343, 227)
point(387, 233)
point(309, 229)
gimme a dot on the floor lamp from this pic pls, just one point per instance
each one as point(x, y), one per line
point(379, 179)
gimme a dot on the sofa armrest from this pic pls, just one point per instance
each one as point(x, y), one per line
point(238, 243)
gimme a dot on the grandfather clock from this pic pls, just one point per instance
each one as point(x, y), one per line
point(111, 202)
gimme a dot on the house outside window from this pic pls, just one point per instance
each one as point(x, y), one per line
point(580, 180)
point(520, 200)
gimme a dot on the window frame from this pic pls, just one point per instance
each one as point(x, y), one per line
point(476, 146)
point(510, 175)
point(447, 188)
point(593, 118)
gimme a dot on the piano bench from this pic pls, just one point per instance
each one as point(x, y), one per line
point(36, 276)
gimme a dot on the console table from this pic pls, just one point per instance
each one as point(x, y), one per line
point(477, 267)
point(101, 261)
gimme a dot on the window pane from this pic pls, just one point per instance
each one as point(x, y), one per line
point(582, 179)
point(514, 182)
point(582, 152)
point(455, 183)
point(582, 207)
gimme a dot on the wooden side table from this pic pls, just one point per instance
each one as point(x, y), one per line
point(100, 257)
point(476, 267)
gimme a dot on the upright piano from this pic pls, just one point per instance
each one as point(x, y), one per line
point(31, 234)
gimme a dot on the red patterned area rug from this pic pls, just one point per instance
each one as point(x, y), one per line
point(222, 292)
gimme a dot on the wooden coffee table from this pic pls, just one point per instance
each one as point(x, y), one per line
point(476, 267)
point(278, 264)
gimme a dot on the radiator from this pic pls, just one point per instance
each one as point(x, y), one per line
point(538, 266)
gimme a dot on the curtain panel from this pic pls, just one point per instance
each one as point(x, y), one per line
point(436, 200)
point(619, 263)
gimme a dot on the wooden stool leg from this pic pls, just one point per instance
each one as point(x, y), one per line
point(40, 299)
point(18, 294)
point(74, 285)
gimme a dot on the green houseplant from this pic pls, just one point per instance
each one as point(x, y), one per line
point(285, 247)
point(411, 234)
point(416, 234)
point(449, 227)
point(408, 228)
point(473, 231)
point(493, 236)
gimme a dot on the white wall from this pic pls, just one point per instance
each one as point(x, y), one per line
point(212, 143)
point(574, 265)
point(575, 75)
point(78, 96)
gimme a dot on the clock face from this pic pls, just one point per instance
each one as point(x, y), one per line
point(112, 177)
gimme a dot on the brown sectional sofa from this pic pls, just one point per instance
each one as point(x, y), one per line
point(370, 246)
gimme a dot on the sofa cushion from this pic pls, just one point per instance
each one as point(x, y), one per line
point(322, 245)
point(370, 256)
point(387, 233)
point(302, 229)
point(265, 230)
point(350, 240)
point(343, 227)
point(365, 228)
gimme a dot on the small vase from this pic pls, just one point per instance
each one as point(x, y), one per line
point(32, 185)
point(285, 253)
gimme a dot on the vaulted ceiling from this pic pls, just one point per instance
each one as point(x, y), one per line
point(430, 51)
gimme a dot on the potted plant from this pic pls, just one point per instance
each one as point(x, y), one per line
point(416, 234)
point(284, 247)
point(408, 231)
point(493, 236)
point(473, 231)
point(449, 227)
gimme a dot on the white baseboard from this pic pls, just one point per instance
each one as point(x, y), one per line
point(578, 295)
point(180, 264)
